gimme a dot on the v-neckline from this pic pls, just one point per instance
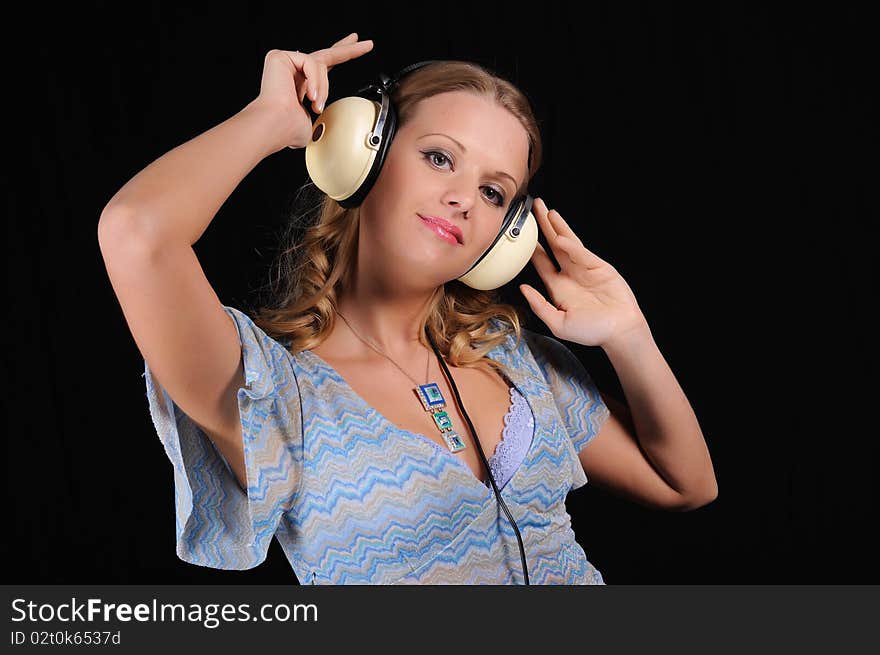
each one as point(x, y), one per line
point(425, 438)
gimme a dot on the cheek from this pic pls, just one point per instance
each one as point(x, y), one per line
point(487, 240)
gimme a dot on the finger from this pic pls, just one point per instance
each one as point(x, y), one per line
point(346, 52)
point(316, 85)
point(545, 267)
point(351, 38)
point(560, 227)
point(300, 62)
point(323, 87)
point(541, 216)
point(346, 39)
point(544, 310)
point(565, 241)
point(578, 253)
point(569, 251)
point(310, 70)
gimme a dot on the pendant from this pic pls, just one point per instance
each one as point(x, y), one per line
point(434, 402)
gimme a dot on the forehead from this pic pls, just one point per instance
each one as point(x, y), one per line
point(488, 131)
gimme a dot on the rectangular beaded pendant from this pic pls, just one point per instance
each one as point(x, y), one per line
point(434, 402)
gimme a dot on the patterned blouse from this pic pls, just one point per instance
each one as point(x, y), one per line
point(353, 499)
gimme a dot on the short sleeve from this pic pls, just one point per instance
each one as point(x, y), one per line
point(582, 409)
point(218, 524)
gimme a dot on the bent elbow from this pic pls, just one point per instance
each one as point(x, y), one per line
point(699, 501)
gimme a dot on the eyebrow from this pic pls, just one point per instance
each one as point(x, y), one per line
point(463, 149)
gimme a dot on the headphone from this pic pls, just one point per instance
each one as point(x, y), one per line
point(350, 140)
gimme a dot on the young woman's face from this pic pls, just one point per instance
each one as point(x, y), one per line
point(460, 157)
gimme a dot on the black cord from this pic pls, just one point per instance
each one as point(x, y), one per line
point(522, 552)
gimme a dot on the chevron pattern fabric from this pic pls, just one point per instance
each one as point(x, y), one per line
point(352, 499)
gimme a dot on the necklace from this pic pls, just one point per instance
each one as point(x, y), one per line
point(430, 396)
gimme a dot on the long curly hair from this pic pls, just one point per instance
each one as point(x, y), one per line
point(319, 246)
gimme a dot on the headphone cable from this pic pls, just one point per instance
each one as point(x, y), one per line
point(501, 502)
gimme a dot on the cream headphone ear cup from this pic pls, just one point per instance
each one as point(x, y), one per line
point(342, 158)
point(509, 253)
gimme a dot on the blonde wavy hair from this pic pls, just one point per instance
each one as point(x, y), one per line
point(316, 260)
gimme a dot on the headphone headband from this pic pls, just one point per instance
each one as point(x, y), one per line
point(383, 90)
point(386, 84)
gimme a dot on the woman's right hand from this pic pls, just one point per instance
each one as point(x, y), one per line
point(288, 77)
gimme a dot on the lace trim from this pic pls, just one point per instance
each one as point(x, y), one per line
point(515, 439)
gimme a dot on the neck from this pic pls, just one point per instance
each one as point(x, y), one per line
point(390, 322)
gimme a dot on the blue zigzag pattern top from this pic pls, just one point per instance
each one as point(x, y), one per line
point(352, 499)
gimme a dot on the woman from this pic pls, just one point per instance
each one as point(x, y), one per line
point(304, 427)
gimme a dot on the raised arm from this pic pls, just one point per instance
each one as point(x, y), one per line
point(146, 234)
point(147, 230)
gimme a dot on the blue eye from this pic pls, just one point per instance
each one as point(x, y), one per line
point(430, 154)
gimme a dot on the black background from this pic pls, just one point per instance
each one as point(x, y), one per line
point(717, 157)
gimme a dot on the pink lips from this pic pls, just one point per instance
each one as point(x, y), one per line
point(444, 229)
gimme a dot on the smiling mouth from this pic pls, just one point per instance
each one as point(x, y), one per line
point(440, 231)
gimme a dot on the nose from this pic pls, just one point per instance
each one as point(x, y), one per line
point(460, 199)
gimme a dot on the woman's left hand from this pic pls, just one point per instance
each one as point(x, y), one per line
point(592, 304)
